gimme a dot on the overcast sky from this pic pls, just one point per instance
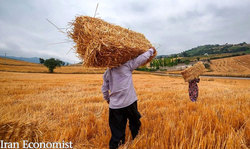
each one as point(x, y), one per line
point(171, 25)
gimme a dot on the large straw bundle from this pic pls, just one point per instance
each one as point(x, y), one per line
point(101, 44)
point(193, 72)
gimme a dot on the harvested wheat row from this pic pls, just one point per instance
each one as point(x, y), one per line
point(101, 44)
point(193, 72)
point(16, 131)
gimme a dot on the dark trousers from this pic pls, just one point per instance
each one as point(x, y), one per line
point(117, 123)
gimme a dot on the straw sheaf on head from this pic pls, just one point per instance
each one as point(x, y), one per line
point(101, 44)
point(193, 72)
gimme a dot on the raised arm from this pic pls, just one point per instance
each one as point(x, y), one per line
point(105, 86)
point(141, 59)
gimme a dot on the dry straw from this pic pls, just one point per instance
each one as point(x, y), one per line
point(193, 72)
point(16, 130)
point(101, 44)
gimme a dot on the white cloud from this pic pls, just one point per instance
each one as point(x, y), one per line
point(175, 25)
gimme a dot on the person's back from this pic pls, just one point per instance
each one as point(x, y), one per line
point(119, 81)
point(122, 98)
point(122, 92)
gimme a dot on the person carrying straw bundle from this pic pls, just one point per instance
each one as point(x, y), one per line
point(101, 44)
point(191, 75)
point(193, 89)
point(122, 98)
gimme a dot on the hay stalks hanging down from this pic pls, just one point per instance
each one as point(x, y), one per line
point(193, 72)
point(101, 44)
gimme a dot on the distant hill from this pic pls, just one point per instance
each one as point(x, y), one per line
point(216, 49)
point(212, 49)
point(32, 59)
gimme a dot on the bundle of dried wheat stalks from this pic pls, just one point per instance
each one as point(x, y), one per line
point(193, 72)
point(101, 44)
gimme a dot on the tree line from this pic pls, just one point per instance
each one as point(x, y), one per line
point(169, 62)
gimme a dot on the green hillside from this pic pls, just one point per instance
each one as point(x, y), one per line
point(217, 49)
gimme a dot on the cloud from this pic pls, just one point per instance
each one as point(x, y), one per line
point(171, 25)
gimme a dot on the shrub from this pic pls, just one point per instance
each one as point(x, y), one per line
point(186, 62)
point(207, 66)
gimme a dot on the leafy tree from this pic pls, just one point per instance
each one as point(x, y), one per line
point(41, 60)
point(157, 65)
point(52, 63)
point(151, 64)
point(243, 43)
point(63, 63)
point(161, 62)
point(178, 60)
point(165, 62)
point(185, 54)
point(66, 64)
point(174, 55)
point(171, 62)
point(186, 62)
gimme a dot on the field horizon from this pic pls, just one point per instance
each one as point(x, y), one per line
point(233, 66)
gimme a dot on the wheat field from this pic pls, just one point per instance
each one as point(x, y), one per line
point(238, 66)
point(70, 107)
point(233, 66)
